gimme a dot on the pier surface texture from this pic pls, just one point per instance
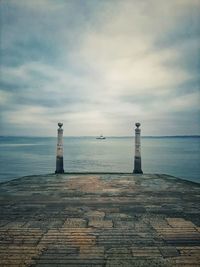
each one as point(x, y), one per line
point(99, 220)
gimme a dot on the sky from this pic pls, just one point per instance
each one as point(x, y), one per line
point(99, 66)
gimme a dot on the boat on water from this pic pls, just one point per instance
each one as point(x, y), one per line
point(101, 137)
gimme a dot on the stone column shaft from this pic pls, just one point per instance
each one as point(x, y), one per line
point(59, 155)
point(137, 159)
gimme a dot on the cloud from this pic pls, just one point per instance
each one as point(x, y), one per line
point(99, 66)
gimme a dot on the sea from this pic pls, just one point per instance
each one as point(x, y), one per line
point(178, 156)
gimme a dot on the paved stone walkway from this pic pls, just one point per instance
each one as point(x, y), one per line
point(99, 220)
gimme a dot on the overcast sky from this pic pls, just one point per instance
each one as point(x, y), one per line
point(100, 66)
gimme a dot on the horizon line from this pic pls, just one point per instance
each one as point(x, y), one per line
point(108, 136)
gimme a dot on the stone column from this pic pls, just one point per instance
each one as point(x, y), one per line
point(59, 156)
point(137, 160)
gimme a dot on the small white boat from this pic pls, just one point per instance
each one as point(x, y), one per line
point(101, 137)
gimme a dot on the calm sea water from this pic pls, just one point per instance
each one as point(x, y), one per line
point(178, 156)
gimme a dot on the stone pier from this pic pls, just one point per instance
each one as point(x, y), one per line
point(137, 159)
point(101, 220)
point(59, 156)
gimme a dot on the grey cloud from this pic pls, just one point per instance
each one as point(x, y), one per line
point(99, 64)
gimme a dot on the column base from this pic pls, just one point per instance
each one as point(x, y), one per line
point(137, 166)
point(59, 165)
point(137, 171)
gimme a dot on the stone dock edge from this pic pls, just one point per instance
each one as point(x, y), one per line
point(99, 219)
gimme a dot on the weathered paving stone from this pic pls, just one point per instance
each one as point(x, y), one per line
point(180, 234)
point(118, 257)
point(91, 252)
point(14, 225)
point(146, 252)
point(16, 255)
point(180, 223)
point(100, 224)
point(124, 224)
point(99, 220)
point(123, 257)
point(168, 252)
point(119, 216)
point(134, 262)
point(95, 215)
point(74, 223)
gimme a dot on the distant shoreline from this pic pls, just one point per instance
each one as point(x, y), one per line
point(145, 136)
